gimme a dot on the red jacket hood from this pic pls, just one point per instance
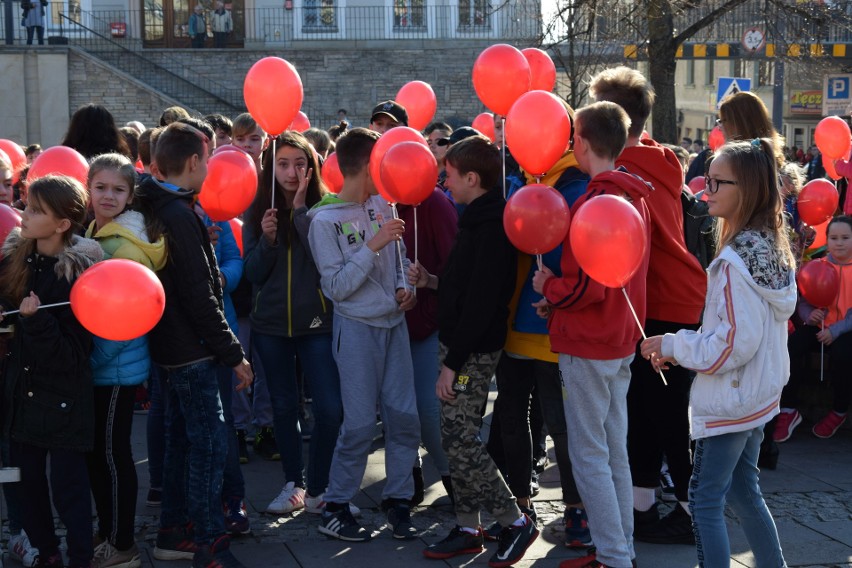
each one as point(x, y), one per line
point(620, 181)
point(655, 164)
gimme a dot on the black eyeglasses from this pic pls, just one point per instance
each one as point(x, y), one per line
point(712, 185)
point(719, 122)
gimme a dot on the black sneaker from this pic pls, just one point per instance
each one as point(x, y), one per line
point(540, 464)
point(577, 533)
point(216, 555)
point(457, 542)
point(399, 518)
point(667, 488)
point(492, 533)
point(643, 520)
point(155, 497)
point(175, 543)
point(513, 542)
point(242, 446)
point(535, 486)
point(674, 528)
point(342, 525)
point(265, 445)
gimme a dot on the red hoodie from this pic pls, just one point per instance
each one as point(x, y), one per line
point(676, 282)
point(588, 319)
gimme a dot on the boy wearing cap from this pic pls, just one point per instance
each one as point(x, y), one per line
point(387, 115)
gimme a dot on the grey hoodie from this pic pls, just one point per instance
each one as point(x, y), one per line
point(362, 284)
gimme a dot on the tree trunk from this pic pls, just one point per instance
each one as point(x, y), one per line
point(661, 58)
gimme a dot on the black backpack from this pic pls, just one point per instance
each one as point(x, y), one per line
point(698, 228)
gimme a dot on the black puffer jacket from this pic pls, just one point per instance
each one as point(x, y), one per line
point(193, 327)
point(47, 384)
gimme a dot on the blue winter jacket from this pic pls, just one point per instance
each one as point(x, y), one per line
point(230, 265)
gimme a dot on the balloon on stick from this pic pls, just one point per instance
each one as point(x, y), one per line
point(536, 219)
point(501, 74)
point(817, 201)
point(716, 139)
point(608, 239)
point(273, 94)
point(819, 283)
point(331, 174)
point(538, 131)
point(383, 144)
point(60, 160)
point(542, 69)
point(830, 170)
point(118, 299)
point(300, 122)
point(419, 102)
point(237, 228)
point(484, 122)
point(409, 171)
point(832, 137)
point(230, 185)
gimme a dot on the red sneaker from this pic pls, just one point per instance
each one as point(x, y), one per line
point(785, 424)
point(828, 426)
point(589, 561)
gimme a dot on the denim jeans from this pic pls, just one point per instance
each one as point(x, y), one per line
point(252, 409)
point(424, 355)
point(233, 484)
point(278, 357)
point(156, 426)
point(195, 452)
point(725, 468)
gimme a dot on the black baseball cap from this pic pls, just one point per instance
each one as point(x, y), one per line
point(458, 135)
point(391, 109)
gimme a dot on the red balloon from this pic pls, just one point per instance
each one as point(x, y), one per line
point(821, 238)
point(273, 93)
point(536, 218)
point(9, 219)
point(817, 201)
point(819, 283)
point(696, 184)
point(608, 239)
point(118, 299)
point(542, 69)
point(828, 165)
point(300, 123)
point(420, 103)
point(716, 139)
point(383, 144)
point(409, 171)
point(331, 174)
point(237, 228)
point(501, 74)
point(537, 131)
point(230, 186)
point(60, 160)
point(228, 148)
point(16, 155)
point(832, 137)
point(484, 122)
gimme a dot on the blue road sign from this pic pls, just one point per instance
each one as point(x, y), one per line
point(730, 85)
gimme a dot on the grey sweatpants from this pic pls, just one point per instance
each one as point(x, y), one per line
point(594, 394)
point(375, 368)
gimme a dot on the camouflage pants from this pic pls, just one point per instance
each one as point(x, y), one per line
point(477, 483)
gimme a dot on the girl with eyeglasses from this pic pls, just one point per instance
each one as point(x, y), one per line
point(739, 354)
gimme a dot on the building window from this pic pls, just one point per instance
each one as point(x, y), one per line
point(764, 73)
point(474, 13)
point(409, 14)
point(690, 72)
point(319, 15)
point(709, 72)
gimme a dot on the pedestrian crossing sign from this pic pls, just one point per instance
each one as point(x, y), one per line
point(730, 85)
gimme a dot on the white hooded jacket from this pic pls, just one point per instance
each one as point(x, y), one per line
point(740, 352)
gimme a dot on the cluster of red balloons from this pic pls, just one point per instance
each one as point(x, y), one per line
point(419, 102)
point(118, 299)
point(817, 201)
point(502, 73)
point(408, 171)
point(405, 190)
point(819, 283)
point(273, 93)
point(832, 137)
point(60, 160)
point(230, 185)
point(608, 239)
point(536, 219)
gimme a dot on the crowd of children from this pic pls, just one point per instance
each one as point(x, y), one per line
point(345, 305)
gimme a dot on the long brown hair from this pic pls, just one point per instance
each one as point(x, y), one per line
point(263, 201)
point(64, 198)
point(759, 203)
point(745, 117)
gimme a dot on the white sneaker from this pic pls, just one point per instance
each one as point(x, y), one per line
point(315, 505)
point(290, 499)
point(21, 550)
